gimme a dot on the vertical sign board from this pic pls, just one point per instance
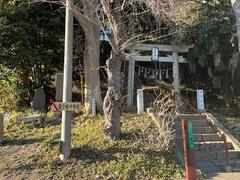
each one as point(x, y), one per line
point(155, 54)
point(200, 100)
point(94, 107)
point(140, 101)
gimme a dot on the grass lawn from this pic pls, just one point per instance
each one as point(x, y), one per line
point(32, 152)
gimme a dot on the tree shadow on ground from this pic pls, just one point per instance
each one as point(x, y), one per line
point(24, 167)
point(53, 122)
point(18, 142)
point(132, 136)
point(91, 155)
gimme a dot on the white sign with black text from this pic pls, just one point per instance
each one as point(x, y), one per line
point(200, 100)
point(69, 106)
point(155, 54)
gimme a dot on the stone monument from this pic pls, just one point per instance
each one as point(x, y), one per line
point(39, 100)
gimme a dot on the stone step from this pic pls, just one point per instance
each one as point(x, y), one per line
point(210, 167)
point(219, 165)
point(216, 155)
point(191, 120)
point(211, 146)
point(233, 162)
point(207, 137)
point(198, 129)
point(235, 165)
point(203, 130)
point(195, 123)
point(203, 137)
point(191, 116)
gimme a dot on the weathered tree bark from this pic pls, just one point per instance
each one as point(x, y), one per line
point(236, 10)
point(91, 66)
point(113, 98)
point(91, 62)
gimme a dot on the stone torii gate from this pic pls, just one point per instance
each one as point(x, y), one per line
point(174, 58)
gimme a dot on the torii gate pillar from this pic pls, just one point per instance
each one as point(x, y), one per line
point(131, 72)
point(176, 76)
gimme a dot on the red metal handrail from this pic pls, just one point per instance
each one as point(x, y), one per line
point(219, 132)
point(189, 153)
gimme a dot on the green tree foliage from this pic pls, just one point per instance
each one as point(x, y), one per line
point(211, 31)
point(8, 95)
point(30, 42)
point(214, 61)
point(210, 25)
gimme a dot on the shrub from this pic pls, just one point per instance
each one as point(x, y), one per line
point(8, 95)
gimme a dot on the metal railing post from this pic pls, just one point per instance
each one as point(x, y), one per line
point(188, 146)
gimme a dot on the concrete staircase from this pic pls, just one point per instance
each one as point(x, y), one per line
point(209, 147)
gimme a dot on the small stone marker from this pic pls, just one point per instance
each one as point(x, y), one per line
point(7, 117)
point(29, 118)
point(140, 101)
point(59, 87)
point(39, 100)
point(94, 107)
point(1, 128)
point(200, 101)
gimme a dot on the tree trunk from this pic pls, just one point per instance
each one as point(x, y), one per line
point(25, 95)
point(112, 101)
point(236, 10)
point(91, 67)
point(91, 62)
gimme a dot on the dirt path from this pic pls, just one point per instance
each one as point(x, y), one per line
point(224, 176)
point(16, 162)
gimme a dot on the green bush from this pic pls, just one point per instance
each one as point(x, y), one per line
point(8, 95)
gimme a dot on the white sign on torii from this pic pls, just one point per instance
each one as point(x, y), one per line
point(174, 58)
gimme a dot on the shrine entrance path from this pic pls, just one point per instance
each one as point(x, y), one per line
point(224, 176)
